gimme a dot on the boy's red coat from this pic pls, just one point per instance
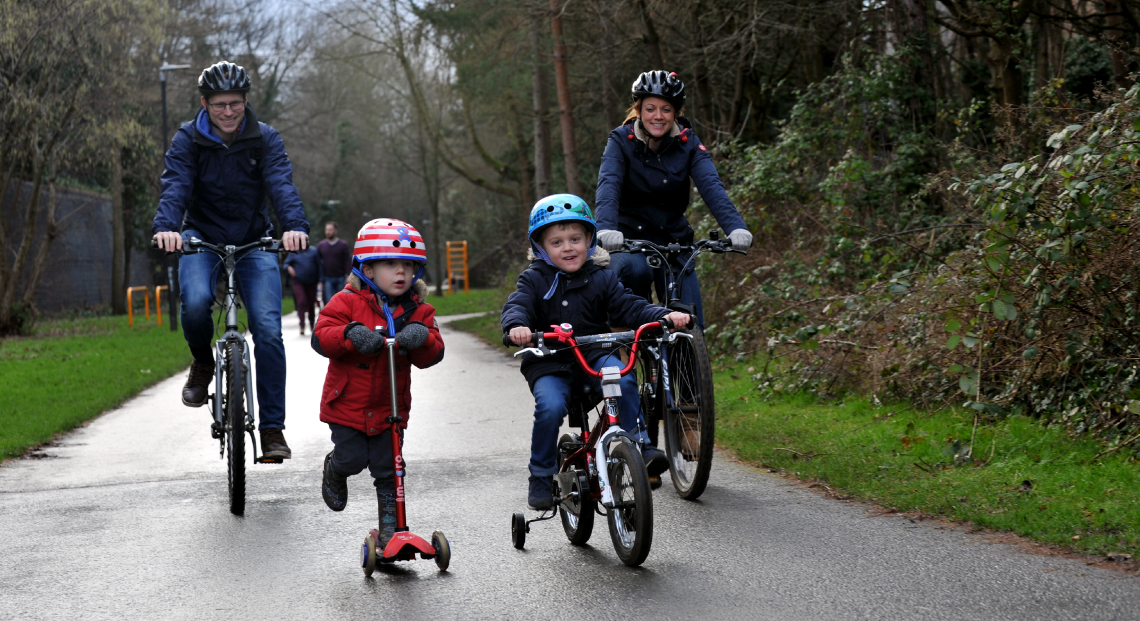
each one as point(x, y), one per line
point(356, 392)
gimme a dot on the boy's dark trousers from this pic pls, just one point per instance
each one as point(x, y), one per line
point(354, 450)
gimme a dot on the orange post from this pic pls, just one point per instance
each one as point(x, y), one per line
point(158, 301)
point(457, 265)
point(131, 307)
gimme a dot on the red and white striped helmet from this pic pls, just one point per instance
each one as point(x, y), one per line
point(386, 238)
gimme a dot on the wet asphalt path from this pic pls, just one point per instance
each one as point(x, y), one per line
point(127, 519)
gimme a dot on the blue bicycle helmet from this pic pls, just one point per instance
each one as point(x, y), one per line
point(558, 208)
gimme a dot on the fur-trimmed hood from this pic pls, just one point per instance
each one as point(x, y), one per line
point(601, 258)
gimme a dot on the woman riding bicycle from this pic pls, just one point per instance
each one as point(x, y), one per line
point(643, 187)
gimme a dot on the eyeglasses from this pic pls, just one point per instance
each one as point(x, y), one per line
point(236, 106)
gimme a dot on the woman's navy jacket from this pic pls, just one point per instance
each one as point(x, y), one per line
point(645, 194)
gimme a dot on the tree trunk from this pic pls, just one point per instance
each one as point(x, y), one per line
point(542, 166)
point(562, 81)
point(611, 113)
point(651, 38)
point(118, 235)
point(912, 32)
point(1116, 43)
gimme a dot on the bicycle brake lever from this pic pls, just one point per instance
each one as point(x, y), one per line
point(537, 351)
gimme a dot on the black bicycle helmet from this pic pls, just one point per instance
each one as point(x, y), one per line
point(663, 84)
point(223, 77)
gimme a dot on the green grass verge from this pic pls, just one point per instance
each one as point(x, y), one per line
point(476, 301)
point(70, 371)
point(1025, 478)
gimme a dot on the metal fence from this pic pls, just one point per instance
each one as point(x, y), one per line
point(78, 272)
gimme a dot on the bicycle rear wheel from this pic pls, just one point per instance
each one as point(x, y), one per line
point(631, 517)
point(690, 424)
point(233, 403)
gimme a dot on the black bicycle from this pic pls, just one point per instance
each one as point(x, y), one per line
point(675, 376)
point(233, 383)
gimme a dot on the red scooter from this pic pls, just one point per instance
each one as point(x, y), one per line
point(403, 546)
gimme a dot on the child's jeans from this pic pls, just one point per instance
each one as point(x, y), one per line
point(551, 396)
point(353, 450)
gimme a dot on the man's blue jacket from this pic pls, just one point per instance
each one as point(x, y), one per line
point(221, 191)
point(645, 194)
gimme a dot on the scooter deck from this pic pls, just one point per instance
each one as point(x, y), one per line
point(404, 547)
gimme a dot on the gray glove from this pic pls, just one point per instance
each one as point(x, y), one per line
point(413, 336)
point(741, 239)
point(364, 340)
point(611, 240)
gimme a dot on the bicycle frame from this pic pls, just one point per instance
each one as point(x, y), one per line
point(229, 256)
point(595, 442)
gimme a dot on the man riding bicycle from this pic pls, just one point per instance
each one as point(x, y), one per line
point(220, 169)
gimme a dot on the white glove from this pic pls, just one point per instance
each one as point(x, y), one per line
point(741, 239)
point(611, 240)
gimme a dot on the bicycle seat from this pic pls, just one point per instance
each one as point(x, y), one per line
point(583, 397)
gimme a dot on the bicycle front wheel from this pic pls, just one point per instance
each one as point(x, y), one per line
point(690, 423)
point(233, 403)
point(631, 517)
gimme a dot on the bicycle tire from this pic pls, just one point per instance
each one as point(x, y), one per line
point(233, 403)
point(631, 517)
point(690, 425)
point(649, 394)
point(578, 527)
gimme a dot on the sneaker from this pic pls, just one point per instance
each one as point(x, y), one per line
point(541, 495)
point(386, 505)
point(334, 488)
point(197, 385)
point(273, 445)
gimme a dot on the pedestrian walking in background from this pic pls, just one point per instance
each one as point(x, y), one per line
point(336, 262)
point(305, 269)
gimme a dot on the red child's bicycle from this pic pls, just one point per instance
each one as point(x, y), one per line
point(600, 470)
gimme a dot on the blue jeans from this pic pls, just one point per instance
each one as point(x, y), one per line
point(330, 285)
point(551, 397)
point(634, 272)
point(259, 283)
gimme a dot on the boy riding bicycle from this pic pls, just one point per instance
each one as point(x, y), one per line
point(567, 282)
point(384, 291)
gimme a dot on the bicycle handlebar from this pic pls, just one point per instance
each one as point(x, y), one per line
point(195, 246)
point(565, 334)
point(716, 246)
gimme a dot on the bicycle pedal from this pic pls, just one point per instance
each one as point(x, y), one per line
point(270, 460)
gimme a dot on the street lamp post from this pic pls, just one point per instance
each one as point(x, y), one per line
point(171, 281)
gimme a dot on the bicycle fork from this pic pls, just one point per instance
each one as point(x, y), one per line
point(611, 391)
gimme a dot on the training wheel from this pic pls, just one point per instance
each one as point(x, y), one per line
point(442, 550)
point(518, 530)
point(368, 554)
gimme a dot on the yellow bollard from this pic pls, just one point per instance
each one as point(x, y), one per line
point(131, 307)
point(158, 301)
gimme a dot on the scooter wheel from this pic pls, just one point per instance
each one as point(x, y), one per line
point(442, 550)
point(518, 530)
point(368, 555)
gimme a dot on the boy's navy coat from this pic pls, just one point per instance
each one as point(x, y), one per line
point(221, 190)
point(591, 300)
point(645, 194)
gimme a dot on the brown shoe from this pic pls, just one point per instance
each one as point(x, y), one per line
point(273, 445)
point(197, 384)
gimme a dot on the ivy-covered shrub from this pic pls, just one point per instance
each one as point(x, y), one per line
point(1009, 288)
